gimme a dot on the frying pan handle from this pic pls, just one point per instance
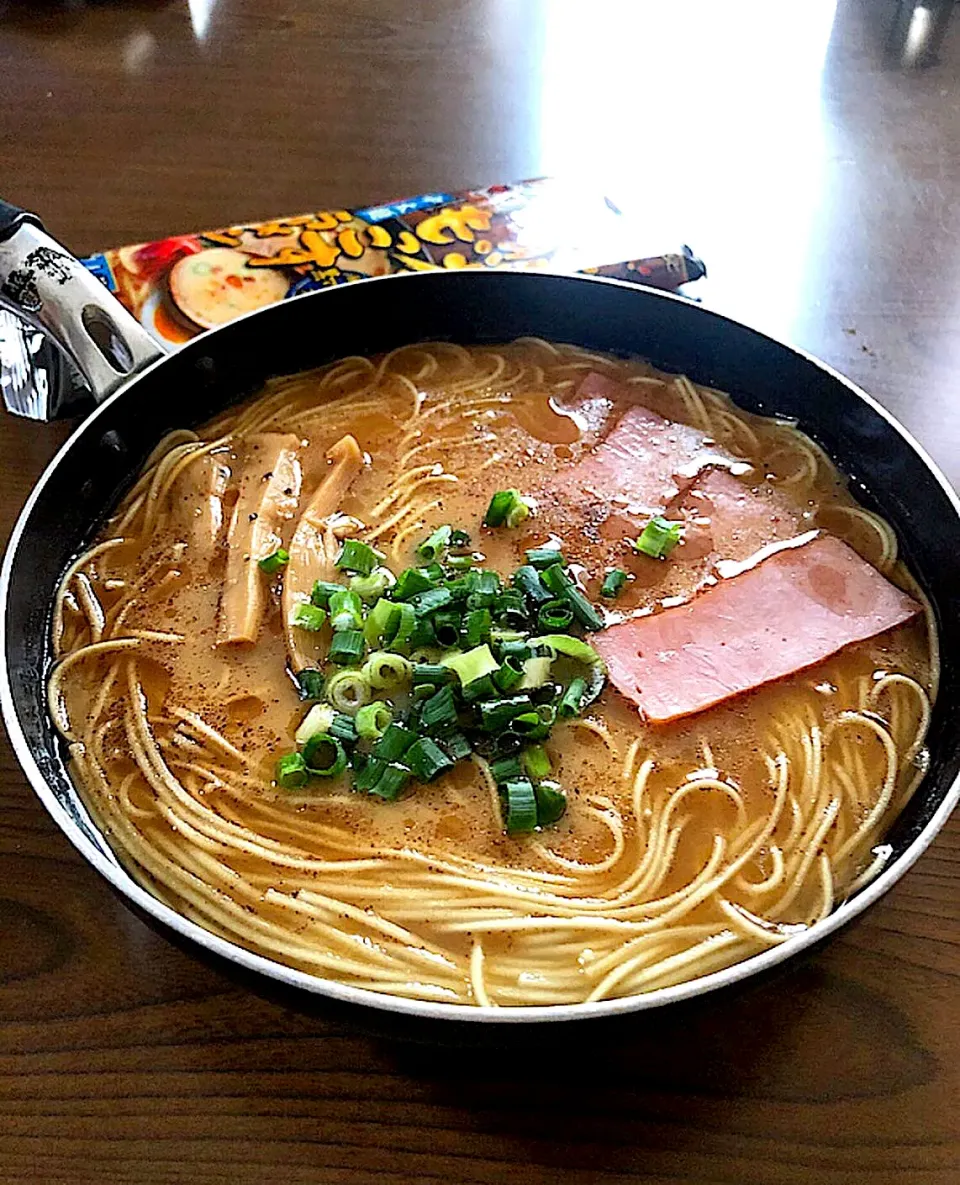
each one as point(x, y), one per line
point(42, 283)
point(12, 218)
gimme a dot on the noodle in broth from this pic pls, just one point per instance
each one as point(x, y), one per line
point(685, 848)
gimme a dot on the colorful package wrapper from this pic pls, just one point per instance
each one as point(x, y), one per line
point(181, 286)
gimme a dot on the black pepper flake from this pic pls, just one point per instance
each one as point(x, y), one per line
point(252, 517)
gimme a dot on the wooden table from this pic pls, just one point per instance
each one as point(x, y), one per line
point(821, 187)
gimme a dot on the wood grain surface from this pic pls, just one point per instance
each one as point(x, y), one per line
point(820, 182)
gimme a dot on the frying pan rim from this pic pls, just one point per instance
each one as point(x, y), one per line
point(124, 883)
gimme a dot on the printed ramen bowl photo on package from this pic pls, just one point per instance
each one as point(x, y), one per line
point(481, 645)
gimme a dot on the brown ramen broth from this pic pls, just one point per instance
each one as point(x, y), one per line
point(686, 846)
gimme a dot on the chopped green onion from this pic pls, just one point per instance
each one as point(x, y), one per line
point(410, 582)
point(327, 758)
point(456, 746)
point(562, 585)
point(308, 617)
point(459, 537)
point(596, 677)
point(434, 673)
point(658, 538)
point(526, 723)
point(557, 579)
point(346, 648)
point(476, 627)
point(424, 635)
point(346, 610)
point(527, 580)
point(508, 508)
point(521, 806)
point(381, 623)
point(460, 563)
point(373, 720)
point(358, 557)
point(427, 760)
point(274, 561)
point(430, 601)
point(494, 714)
point(406, 623)
point(461, 588)
point(536, 725)
point(369, 588)
point(343, 729)
point(434, 573)
point(425, 654)
point(510, 608)
point(508, 742)
point(323, 590)
point(551, 802)
point(536, 672)
point(535, 761)
point(472, 665)
point(430, 548)
point(348, 691)
point(544, 557)
point(291, 771)
point(555, 615)
point(613, 583)
point(391, 781)
point(516, 647)
point(572, 698)
point(478, 689)
point(504, 638)
point(509, 674)
point(394, 743)
point(313, 746)
point(367, 771)
point(310, 683)
point(486, 585)
point(385, 671)
point(439, 713)
point(505, 769)
point(520, 511)
point(318, 719)
point(499, 507)
point(446, 628)
point(570, 647)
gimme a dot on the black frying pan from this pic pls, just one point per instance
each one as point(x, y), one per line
point(145, 394)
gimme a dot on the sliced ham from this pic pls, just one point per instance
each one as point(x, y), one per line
point(727, 519)
point(789, 612)
point(269, 491)
point(646, 461)
point(312, 548)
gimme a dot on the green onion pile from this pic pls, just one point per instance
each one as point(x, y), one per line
point(443, 660)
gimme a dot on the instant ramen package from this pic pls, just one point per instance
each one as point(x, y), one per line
point(181, 286)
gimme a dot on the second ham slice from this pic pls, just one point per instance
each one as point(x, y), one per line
point(646, 461)
point(791, 611)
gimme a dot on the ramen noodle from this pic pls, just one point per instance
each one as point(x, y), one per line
point(702, 770)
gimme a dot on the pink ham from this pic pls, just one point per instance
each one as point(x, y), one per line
point(791, 611)
point(646, 461)
point(728, 520)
